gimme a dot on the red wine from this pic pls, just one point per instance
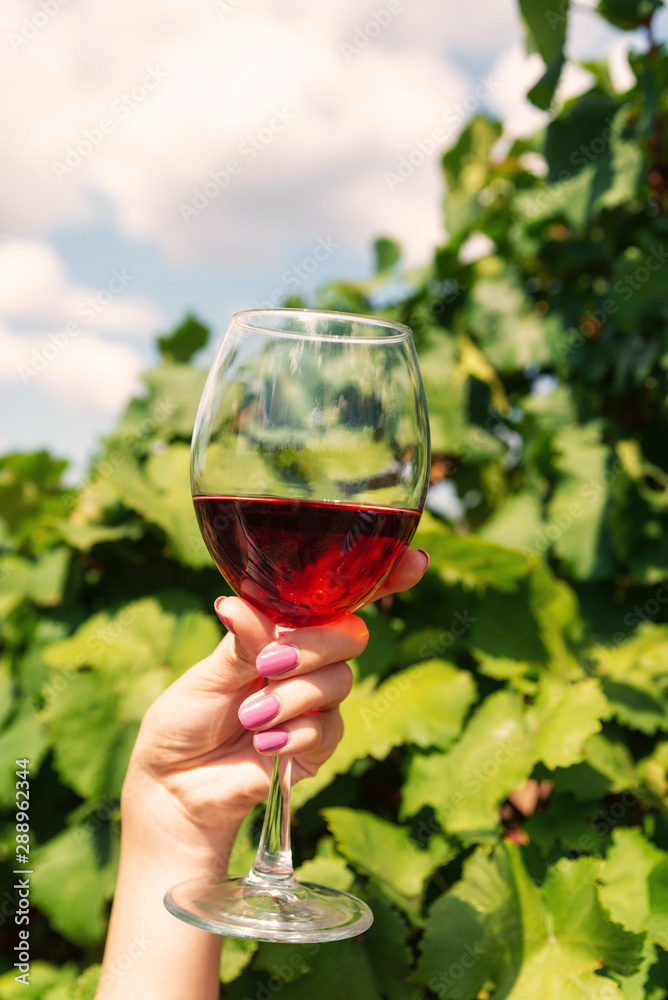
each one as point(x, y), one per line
point(303, 562)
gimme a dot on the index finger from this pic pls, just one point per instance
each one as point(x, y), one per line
point(410, 571)
point(306, 649)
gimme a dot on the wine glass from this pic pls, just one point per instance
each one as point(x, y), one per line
point(309, 469)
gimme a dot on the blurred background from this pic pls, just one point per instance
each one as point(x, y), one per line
point(119, 210)
point(505, 759)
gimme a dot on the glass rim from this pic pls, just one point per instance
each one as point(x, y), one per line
point(395, 331)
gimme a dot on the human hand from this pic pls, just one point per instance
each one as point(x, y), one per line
point(204, 754)
point(196, 771)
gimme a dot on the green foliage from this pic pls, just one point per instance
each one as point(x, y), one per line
point(387, 252)
point(497, 925)
point(185, 341)
point(535, 649)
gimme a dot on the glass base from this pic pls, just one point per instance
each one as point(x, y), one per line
point(268, 910)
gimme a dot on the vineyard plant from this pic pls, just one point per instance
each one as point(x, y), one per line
point(500, 796)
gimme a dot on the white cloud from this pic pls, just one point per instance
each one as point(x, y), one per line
point(83, 371)
point(516, 73)
point(52, 333)
point(224, 78)
point(35, 289)
point(621, 73)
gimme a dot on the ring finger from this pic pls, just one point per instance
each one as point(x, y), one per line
point(316, 733)
point(281, 701)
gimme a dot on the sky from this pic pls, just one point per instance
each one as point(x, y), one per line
point(167, 156)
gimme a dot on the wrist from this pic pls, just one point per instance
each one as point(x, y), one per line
point(158, 832)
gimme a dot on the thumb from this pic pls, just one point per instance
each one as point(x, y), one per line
point(249, 631)
point(218, 683)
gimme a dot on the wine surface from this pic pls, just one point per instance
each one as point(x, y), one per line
point(303, 562)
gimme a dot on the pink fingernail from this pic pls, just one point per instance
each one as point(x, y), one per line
point(276, 659)
point(226, 621)
point(428, 558)
point(259, 711)
point(271, 739)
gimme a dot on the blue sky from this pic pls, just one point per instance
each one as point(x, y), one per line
point(167, 156)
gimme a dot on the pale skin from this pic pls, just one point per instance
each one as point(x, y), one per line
point(195, 773)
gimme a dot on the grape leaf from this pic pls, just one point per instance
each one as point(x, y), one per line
point(161, 494)
point(497, 752)
point(472, 561)
point(47, 982)
point(466, 167)
point(24, 737)
point(516, 522)
point(195, 637)
point(87, 983)
point(388, 952)
point(174, 395)
point(188, 338)
point(77, 873)
point(554, 606)
point(628, 14)
point(42, 581)
point(237, 953)
point(624, 890)
point(577, 508)
point(657, 884)
point(634, 675)
point(607, 768)
point(505, 324)
point(493, 756)
point(84, 536)
point(135, 638)
point(447, 410)
point(326, 871)
point(85, 703)
point(491, 635)
point(130, 654)
point(425, 704)
point(497, 925)
point(634, 867)
point(387, 252)
point(381, 650)
point(388, 853)
point(568, 824)
point(363, 968)
point(563, 719)
point(6, 690)
point(546, 27)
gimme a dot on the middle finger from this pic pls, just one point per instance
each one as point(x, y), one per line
point(324, 687)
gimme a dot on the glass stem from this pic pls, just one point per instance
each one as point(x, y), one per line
point(273, 861)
